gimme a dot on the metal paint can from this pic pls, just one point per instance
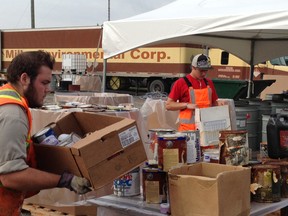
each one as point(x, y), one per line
point(155, 185)
point(265, 183)
point(284, 175)
point(128, 185)
point(193, 146)
point(171, 150)
point(234, 148)
point(153, 144)
point(68, 139)
point(45, 136)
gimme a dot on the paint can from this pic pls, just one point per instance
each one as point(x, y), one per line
point(68, 139)
point(265, 183)
point(193, 146)
point(171, 150)
point(155, 187)
point(234, 148)
point(284, 175)
point(128, 185)
point(45, 136)
point(153, 142)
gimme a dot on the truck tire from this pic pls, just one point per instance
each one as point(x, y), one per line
point(157, 86)
point(118, 83)
point(171, 86)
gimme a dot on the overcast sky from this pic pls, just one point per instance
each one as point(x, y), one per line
point(15, 14)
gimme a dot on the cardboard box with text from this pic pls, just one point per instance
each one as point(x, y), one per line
point(110, 147)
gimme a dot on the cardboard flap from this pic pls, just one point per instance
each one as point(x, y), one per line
point(55, 159)
point(67, 125)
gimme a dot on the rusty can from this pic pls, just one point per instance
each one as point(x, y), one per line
point(155, 187)
point(234, 148)
point(171, 150)
point(284, 176)
point(266, 183)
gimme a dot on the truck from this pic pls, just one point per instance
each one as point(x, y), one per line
point(155, 68)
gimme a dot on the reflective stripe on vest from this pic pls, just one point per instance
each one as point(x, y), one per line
point(202, 98)
point(10, 200)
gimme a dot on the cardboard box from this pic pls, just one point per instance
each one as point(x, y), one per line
point(209, 121)
point(110, 148)
point(209, 189)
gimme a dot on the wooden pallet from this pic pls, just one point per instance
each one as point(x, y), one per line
point(37, 210)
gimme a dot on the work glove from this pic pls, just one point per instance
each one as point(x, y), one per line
point(74, 183)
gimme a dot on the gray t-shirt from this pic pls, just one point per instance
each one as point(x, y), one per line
point(13, 132)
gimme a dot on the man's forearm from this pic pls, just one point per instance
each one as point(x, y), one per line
point(29, 179)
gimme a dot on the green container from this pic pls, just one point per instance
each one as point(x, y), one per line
point(236, 89)
point(230, 88)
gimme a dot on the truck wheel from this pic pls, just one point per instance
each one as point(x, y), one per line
point(171, 86)
point(118, 83)
point(157, 86)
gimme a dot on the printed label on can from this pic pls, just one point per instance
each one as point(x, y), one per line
point(193, 147)
point(50, 140)
point(40, 136)
point(152, 192)
point(128, 185)
point(170, 158)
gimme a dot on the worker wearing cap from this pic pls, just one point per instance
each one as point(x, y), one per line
point(192, 91)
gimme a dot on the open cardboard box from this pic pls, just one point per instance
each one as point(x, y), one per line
point(110, 148)
point(209, 189)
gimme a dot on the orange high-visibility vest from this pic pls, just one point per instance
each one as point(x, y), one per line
point(202, 98)
point(11, 201)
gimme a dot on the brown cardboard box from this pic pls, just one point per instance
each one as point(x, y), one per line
point(110, 148)
point(209, 189)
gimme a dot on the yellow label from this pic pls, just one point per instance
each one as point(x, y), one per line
point(152, 191)
point(170, 158)
point(170, 55)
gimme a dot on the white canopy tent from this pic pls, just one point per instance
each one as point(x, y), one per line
point(253, 30)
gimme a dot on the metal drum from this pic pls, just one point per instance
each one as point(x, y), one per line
point(266, 183)
point(171, 150)
point(155, 187)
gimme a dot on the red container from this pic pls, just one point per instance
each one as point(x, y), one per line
point(172, 150)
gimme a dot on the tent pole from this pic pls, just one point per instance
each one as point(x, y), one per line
point(104, 75)
point(250, 82)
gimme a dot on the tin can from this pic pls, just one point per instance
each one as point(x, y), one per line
point(193, 146)
point(234, 148)
point(69, 139)
point(155, 187)
point(153, 141)
point(128, 185)
point(45, 136)
point(171, 150)
point(284, 176)
point(265, 183)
